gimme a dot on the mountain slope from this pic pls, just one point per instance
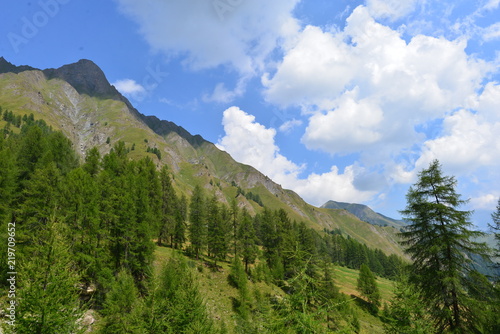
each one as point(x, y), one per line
point(365, 214)
point(78, 100)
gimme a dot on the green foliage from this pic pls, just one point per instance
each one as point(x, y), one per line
point(438, 240)
point(367, 286)
point(102, 216)
point(155, 151)
point(175, 304)
point(247, 240)
point(48, 287)
point(123, 309)
point(406, 313)
point(168, 203)
point(495, 227)
point(217, 230)
point(238, 278)
point(197, 219)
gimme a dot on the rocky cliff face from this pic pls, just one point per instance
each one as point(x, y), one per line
point(6, 67)
point(86, 77)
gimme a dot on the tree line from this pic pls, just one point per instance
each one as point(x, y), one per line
point(86, 234)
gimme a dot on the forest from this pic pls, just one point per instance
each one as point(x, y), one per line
point(85, 235)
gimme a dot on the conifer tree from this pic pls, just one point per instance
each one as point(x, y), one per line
point(48, 287)
point(180, 222)
point(438, 239)
point(218, 230)
point(247, 240)
point(92, 163)
point(238, 279)
point(168, 207)
point(8, 180)
point(367, 286)
point(197, 220)
point(234, 224)
point(175, 304)
point(123, 307)
point(495, 227)
point(406, 313)
point(80, 209)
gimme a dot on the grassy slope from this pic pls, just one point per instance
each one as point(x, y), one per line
point(191, 166)
point(218, 293)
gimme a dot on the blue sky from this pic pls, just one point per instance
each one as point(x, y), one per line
point(344, 100)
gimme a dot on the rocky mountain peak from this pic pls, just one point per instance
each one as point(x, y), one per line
point(86, 77)
point(6, 67)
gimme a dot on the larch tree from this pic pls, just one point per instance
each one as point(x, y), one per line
point(367, 286)
point(438, 240)
point(247, 240)
point(197, 220)
point(495, 227)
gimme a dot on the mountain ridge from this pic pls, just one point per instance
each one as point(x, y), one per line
point(96, 114)
point(365, 213)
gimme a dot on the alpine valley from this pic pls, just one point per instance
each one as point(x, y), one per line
point(125, 223)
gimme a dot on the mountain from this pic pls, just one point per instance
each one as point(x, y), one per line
point(78, 100)
point(365, 214)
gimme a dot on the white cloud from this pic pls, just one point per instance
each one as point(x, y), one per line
point(470, 138)
point(212, 33)
point(289, 125)
point(367, 88)
point(349, 127)
point(491, 32)
point(252, 143)
point(223, 95)
point(391, 9)
point(486, 202)
point(468, 142)
point(130, 88)
point(492, 5)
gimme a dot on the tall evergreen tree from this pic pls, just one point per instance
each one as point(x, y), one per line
point(495, 227)
point(123, 307)
point(234, 224)
point(175, 304)
point(180, 222)
point(168, 206)
point(216, 231)
point(48, 287)
point(438, 239)
point(247, 240)
point(80, 209)
point(197, 220)
point(367, 286)
point(406, 313)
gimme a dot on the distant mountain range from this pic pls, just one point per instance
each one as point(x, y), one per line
point(365, 214)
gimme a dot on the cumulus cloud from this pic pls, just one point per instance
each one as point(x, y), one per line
point(207, 34)
point(252, 143)
point(469, 139)
point(130, 88)
point(468, 142)
point(369, 80)
point(350, 127)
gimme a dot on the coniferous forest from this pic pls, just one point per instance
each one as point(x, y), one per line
point(87, 235)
